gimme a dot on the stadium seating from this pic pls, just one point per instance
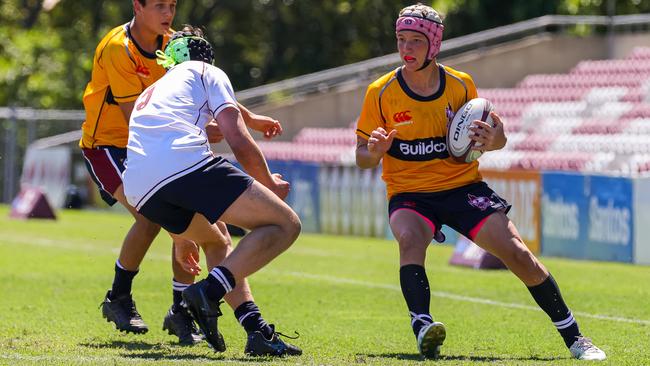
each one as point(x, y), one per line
point(595, 118)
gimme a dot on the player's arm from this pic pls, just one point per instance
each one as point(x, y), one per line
point(127, 108)
point(266, 125)
point(491, 137)
point(123, 80)
point(214, 133)
point(373, 141)
point(247, 152)
point(369, 152)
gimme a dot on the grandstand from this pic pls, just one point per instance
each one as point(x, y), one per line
point(595, 118)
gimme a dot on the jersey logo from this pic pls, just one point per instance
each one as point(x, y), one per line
point(402, 118)
point(143, 71)
point(450, 114)
point(482, 203)
point(419, 149)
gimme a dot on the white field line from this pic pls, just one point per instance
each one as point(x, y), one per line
point(450, 296)
point(110, 359)
point(340, 280)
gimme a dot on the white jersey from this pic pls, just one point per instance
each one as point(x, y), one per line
point(167, 137)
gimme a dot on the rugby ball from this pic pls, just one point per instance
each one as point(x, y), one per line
point(458, 142)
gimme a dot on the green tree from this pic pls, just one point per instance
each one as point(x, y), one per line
point(46, 54)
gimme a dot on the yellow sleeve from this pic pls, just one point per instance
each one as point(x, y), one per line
point(121, 73)
point(471, 88)
point(370, 117)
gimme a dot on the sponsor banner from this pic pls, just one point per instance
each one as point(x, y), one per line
point(587, 217)
point(610, 231)
point(563, 225)
point(49, 170)
point(304, 194)
point(522, 189)
point(642, 220)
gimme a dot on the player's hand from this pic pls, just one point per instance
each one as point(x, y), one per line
point(488, 138)
point(280, 186)
point(187, 255)
point(380, 141)
point(213, 132)
point(268, 126)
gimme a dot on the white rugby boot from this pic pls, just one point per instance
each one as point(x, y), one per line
point(430, 339)
point(583, 349)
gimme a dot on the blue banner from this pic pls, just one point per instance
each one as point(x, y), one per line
point(304, 194)
point(563, 225)
point(611, 226)
point(587, 217)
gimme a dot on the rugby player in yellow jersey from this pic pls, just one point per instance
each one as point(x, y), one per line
point(403, 123)
point(124, 65)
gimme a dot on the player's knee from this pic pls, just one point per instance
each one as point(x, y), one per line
point(408, 239)
point(146, 227)
point(523, 257)
point(292, 227)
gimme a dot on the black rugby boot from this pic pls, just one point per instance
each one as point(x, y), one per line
point(205, 312)
point(258, 345)
point(182, 325)
point(123, 313)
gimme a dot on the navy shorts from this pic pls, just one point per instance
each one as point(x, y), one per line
point(209, 190)
point(105, 165)
point(464, 209)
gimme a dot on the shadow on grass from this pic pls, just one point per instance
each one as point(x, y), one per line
point(131, 345)
point(139, 350)
point(443, 358)
point(158, 356)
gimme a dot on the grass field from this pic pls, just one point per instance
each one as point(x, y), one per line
point(341, 294)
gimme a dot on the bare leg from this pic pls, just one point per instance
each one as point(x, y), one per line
point(118, 306)
point(274, 227)
point(242, 292)
point(414, 235)
point(138, 239)
point(500, 237)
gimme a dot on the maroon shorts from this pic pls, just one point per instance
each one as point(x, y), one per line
point(105, 165)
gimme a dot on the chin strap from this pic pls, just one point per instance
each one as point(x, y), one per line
point(424, 65)
point(164, 60)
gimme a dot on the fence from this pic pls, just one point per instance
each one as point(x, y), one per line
point(22, 127)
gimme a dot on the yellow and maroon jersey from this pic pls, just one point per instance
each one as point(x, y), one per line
point(418, 160)
point(121, 71)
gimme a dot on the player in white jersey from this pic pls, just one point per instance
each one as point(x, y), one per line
point(173, 179)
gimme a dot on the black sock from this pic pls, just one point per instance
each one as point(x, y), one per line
point(548, 297)
point(122, 281)
point(178, 288)
point(415, 288)
point(250, 317)
point(220, 282)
